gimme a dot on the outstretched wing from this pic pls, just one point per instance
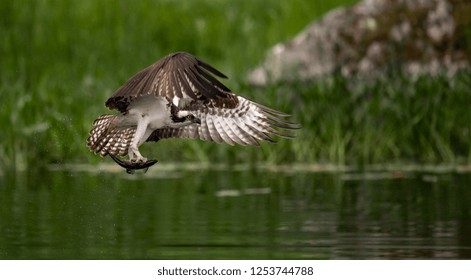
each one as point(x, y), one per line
point(106, 138)
point(179, 75)
point(244, 124)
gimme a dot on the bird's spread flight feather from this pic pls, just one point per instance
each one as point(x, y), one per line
point(179, 74)
point(244, 124)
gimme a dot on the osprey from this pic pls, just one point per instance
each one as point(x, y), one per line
point(179, 97)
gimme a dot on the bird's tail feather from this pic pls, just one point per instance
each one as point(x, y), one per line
point(107, 138)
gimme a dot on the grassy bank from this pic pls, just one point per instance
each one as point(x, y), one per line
point(423, 120)
point(62, 59)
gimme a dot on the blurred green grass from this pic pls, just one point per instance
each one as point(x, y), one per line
point(62, 59)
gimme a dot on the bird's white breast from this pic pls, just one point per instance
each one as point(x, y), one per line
point(155, 109)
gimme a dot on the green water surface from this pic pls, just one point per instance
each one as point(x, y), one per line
point(234, 214)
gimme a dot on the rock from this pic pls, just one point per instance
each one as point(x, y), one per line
point(372, 37)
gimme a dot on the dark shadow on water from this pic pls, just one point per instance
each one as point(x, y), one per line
point(224, 214)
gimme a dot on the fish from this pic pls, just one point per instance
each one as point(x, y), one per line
point(132, 166)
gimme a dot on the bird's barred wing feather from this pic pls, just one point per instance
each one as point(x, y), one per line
point(245, 124)
point(106, 138)
point(178, 75)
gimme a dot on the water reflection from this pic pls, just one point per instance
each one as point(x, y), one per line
point(227, 214)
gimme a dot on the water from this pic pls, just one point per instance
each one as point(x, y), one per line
point(234, 213)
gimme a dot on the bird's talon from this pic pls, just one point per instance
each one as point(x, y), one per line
point(195, 119)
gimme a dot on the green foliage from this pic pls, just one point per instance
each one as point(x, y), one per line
point(424, 120)
point(62, 59)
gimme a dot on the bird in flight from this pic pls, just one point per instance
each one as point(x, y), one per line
point(180, 97)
